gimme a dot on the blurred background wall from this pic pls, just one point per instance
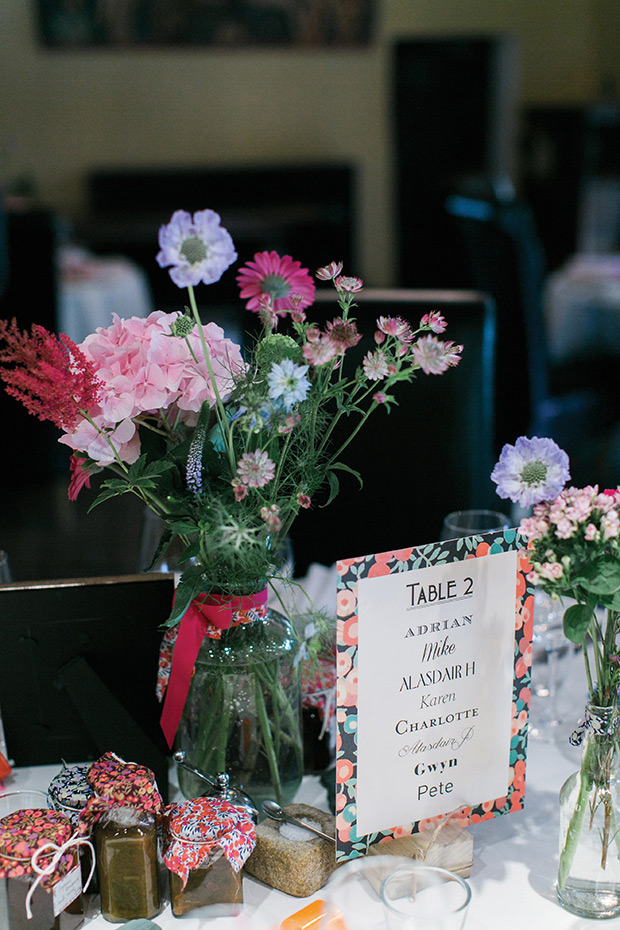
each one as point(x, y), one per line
point(65, 112)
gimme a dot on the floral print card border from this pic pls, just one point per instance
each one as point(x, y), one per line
point(355, 581)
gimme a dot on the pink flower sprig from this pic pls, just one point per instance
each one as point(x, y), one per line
point(53, 378)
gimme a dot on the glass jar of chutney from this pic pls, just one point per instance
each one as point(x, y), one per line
point(40, 875)
point(124, 812)
point(206, 842)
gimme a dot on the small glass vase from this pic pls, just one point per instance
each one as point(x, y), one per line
point(589, 863)
point(242, 715)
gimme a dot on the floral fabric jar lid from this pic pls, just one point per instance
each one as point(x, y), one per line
point(196, 828)
point(116, 783)
point(69, 791)
point(23, 832)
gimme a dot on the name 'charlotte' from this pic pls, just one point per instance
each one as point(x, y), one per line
point(408, 726)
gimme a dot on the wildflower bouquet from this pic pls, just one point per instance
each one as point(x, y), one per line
point(224, 446)
point(574, 541)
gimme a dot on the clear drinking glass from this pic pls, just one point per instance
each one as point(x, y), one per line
point(353, 894)
point(424, 897)
point(25, 799)
point(552, 653)
point(461, 523)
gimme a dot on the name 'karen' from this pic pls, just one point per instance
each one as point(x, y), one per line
point(408, 726)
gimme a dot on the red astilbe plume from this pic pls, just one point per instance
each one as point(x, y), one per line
point(49, 374)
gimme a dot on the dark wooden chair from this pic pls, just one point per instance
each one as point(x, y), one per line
point(570, 403)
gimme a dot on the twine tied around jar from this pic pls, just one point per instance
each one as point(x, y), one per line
point(57, 852)
point(602, 724)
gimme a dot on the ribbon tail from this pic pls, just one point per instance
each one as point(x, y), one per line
point(190, 636)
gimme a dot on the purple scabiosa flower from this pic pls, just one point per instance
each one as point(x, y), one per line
point(531, 471)
point(197, 248)
point(288, 384)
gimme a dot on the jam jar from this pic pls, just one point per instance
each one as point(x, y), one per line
point(68, 793)
point(40, 875)
point(124, 812)
point(206, 842)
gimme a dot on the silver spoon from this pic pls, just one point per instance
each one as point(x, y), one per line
point(273, 810)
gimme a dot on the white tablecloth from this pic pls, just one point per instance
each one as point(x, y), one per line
point(93, 288)
point(515, 856)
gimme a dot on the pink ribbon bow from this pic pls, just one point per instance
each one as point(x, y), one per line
point(205, 613)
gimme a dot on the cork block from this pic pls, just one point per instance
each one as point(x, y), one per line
point(286, 861)
point(448, 846)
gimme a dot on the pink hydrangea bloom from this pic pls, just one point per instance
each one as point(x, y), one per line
point(144, 370)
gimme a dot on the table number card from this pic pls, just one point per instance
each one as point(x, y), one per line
point(434, 655)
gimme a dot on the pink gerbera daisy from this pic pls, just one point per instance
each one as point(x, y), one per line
point(287, 283)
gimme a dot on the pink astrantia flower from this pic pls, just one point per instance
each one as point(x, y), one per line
point(395, 326)
point(329, 272)
point(197, 248)
point(270, 515)
point(349, 284)
point(375, 366)
point(240, 490)
point(281, 278)
point(303, 500)
point(319, 349)
point(433, 356)
point(342, 334)
point(255, 469)
point(379, 397)
point(433, 321)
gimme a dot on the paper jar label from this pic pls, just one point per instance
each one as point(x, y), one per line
point(67, 890)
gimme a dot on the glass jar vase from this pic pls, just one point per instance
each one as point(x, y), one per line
point(242, 715)
point(589, 863)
